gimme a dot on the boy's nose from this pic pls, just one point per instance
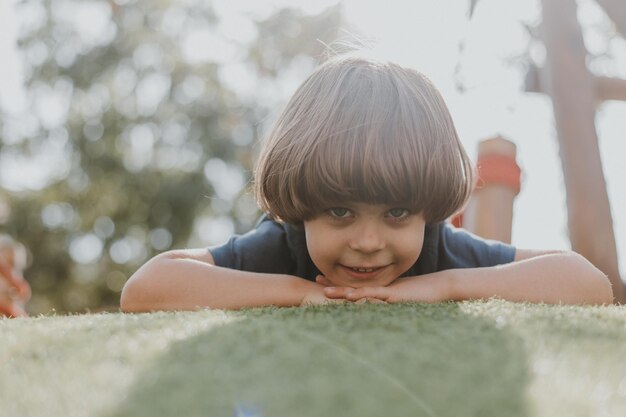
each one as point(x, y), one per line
point(367, 240)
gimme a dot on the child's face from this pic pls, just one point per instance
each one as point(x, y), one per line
point(364, 245)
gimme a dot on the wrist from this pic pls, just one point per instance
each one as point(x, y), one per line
point(300, 289)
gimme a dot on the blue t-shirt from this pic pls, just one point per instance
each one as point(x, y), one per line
point(279, 248)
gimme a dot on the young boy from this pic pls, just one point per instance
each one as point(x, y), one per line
point(357, 178)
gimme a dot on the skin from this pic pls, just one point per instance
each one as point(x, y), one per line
point(361, 235)
point(386, 239)
point(389, 239)
point(553, 277)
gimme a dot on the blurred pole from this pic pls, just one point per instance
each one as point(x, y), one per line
point(489, 213)
point(571, 87)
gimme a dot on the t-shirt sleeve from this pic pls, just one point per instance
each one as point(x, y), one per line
point(263, 249)
point(459, 248)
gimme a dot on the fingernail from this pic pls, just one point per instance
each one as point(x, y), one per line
point(330, 288)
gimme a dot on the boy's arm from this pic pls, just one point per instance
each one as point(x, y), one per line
point(552, 277)
point(188, 280)
point(548, 277)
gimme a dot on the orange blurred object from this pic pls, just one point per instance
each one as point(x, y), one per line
point(14, 289)
point(489, 213)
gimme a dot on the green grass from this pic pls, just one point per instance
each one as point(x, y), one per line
point(454, 359)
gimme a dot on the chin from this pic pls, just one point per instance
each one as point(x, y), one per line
point(361, 284)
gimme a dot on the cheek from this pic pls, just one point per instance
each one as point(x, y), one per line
point(408, 248)
point(413, 253)
point(320, 247)
point(316, 251)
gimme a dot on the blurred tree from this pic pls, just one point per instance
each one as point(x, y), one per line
point(138, 120)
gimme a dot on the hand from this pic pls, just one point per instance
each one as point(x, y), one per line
point(430, 288)
point(314, 295)
point(322, 280)
point(14, 291)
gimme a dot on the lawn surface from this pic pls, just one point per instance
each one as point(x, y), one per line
point(454, 359)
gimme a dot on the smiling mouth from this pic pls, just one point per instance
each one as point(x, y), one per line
point(363, 270)
point(359, 276)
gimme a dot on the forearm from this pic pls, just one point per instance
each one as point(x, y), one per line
point(565, 278)
point(174, 283)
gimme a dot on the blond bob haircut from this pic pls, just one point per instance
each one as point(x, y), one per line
point(362, 130)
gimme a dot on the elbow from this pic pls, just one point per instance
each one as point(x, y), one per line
point(603, 290)
point(600, 288)
point(139, 294)
point(134, 297)
point(608, 297)
point(130, 298)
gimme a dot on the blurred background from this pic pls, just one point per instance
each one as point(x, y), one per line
point(128, 128)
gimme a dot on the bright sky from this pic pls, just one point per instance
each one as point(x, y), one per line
point(426, 35)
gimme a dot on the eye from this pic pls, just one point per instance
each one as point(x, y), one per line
point(398, 213)
point(339, 212)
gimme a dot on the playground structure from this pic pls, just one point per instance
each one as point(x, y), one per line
point(575, 94)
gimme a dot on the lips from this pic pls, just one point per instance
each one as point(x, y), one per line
point(362, 272)
point(364, 269)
